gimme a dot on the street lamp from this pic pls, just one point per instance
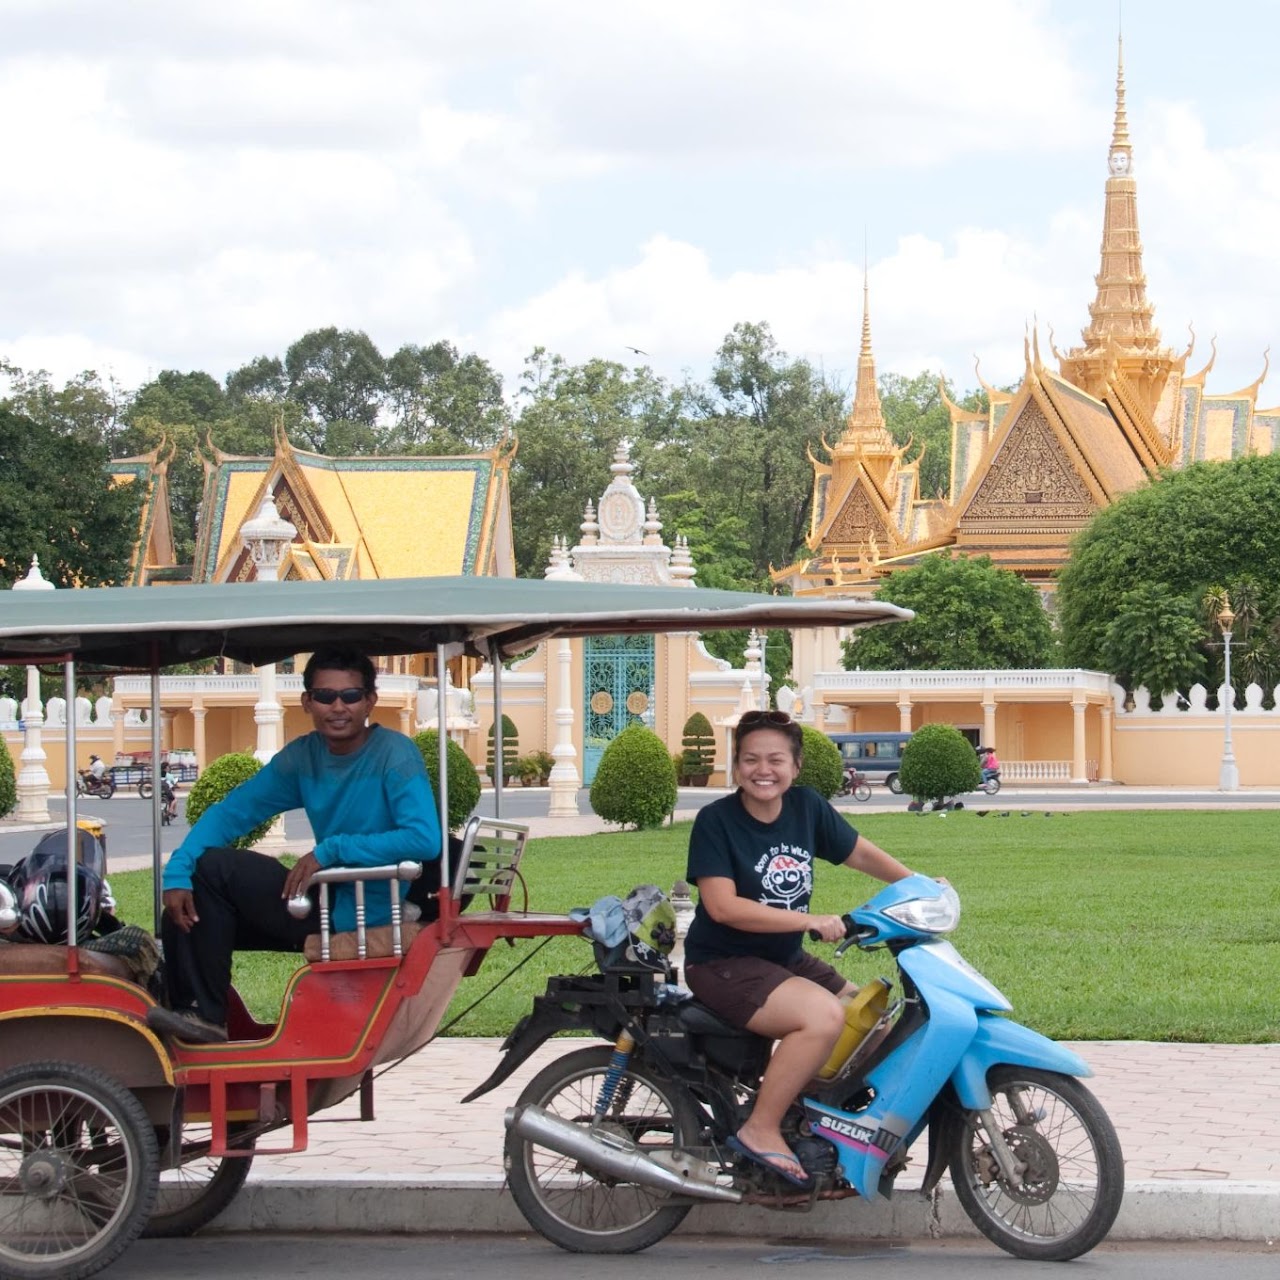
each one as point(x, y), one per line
point(265, 538)
point(1228, 774)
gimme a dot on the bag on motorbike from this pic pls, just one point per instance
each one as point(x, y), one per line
point(635, 932)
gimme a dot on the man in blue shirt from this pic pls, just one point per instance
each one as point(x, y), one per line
point(370, 803)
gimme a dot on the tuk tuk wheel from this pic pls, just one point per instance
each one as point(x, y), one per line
point(78, 1171)
point(194, 1193)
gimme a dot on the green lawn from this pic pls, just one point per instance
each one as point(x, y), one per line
point(1100, 925)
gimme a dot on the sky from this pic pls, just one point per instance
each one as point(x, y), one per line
point(189, 186)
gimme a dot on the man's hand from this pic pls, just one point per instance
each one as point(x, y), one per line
point(181, 907)
point(299, 877)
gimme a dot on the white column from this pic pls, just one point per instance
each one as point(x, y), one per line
point(1105, 764)
point(565, 779)
point(33, 777)
point(1228, 773)
point(1079, 765)
point(265, 537)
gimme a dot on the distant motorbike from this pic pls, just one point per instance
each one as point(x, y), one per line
point(87, 785)
point(169, 810)
point(855, 785)
point(990, 781)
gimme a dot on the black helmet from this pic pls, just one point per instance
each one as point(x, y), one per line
point(40, 883)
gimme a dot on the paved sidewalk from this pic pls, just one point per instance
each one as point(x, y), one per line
point(1199, 1126)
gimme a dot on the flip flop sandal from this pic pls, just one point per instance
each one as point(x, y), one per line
point(765, 1160)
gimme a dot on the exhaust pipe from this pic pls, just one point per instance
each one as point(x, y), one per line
point(609, 1153)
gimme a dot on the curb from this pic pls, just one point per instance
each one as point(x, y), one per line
point(1153, 1210)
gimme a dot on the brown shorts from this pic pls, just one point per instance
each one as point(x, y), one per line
point(736, 987)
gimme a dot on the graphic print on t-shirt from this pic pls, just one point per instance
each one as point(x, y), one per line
point(786, 876)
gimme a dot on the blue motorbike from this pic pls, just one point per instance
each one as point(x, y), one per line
point(609, 1147)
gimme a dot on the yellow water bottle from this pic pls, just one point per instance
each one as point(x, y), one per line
point(865, 1008)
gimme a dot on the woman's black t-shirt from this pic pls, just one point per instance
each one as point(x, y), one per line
point(768, 862)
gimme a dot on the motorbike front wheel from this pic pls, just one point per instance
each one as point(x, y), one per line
point(1071, 1167)
point(991, 786)
point(862, 791)
point(585, 1212)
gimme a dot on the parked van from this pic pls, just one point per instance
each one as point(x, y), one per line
point(877, 756)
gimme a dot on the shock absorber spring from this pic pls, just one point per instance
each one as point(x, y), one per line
point(622, 1048)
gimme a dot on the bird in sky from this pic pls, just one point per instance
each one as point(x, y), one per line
point(638, 351)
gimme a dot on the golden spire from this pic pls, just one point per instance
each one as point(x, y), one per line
point(1121, 320)
point(864, 426)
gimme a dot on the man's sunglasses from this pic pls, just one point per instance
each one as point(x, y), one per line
point(327, 697)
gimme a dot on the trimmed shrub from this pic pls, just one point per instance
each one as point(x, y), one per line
point(217, 782)
point(527, 769)
point(464, 785)
point(635, 784)
point(937, 763)
point(822, 767)
point(699, 743)
point(8, 781)
point(510, 749)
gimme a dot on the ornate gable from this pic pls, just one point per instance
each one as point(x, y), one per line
point(857, 521)
point(1031, 479)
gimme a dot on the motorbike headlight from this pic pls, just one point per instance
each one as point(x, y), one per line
point(929, 915)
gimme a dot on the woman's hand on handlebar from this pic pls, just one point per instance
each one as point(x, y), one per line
point(827, 928)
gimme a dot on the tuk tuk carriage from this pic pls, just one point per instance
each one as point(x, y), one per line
point(108, 1131)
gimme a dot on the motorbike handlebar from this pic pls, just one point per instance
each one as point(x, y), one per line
point(851, 931)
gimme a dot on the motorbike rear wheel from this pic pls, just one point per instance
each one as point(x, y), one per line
point(991, 786)
point(1072, 1167)
point(566, 1202)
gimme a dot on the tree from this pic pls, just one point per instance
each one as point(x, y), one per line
point(56, 502)
point(937, 763)
point(219, 779)
point(914, 411)
point(1210, 525)
point(464, 785)
point(444, 403)
point(969, 615)
point(1154, 640)
point(698, 758)
point(635, 783)
point(338, 377)
point(510, 749)
point(8, 781)
point(821, 766)
point(761, 415)
point(572, 419)
point(85, 408)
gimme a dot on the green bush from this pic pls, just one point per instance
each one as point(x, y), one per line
point(544, 761)
point(938, 762)
point(822, 767)
point(528, 769)
point(636, 781)
point(699, 743)
point(217, 782)
point(464, 785)
point(510, 750)
point(8, 782)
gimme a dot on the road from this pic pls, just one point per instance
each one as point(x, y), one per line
point(266, 1257)
point(129, 817)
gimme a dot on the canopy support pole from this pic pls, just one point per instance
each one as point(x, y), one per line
point(73, 843)
point(499, 759)
point(442, 767)
point(157, 857)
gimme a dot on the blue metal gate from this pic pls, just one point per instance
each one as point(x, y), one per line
point(618, 673)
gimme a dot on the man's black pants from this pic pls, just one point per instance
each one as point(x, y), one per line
point(237, 897)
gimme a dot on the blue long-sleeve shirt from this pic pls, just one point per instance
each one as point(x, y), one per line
point(371, 808)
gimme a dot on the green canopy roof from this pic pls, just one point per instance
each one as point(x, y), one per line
point(257, 622)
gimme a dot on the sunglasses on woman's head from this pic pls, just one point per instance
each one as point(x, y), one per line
point(763, 717)
point(327, 697)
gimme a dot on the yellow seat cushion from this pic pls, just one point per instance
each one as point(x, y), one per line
point(378, 943)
